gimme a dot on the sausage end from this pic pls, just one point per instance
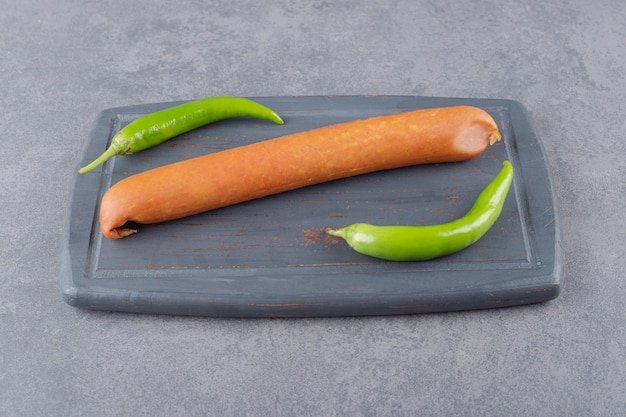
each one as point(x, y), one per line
point(118, 233)
point(494, 137)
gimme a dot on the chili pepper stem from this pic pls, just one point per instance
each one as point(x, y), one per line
point(336, 232)
point(105, 156)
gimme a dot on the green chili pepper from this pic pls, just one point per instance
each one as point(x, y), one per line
point(419, 243)
point(155, 128)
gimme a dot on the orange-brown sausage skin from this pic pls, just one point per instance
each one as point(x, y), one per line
point(244, 173)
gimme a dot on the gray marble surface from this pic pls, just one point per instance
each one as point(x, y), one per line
point(64, 61)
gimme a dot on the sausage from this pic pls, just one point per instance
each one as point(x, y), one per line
point(285, 163)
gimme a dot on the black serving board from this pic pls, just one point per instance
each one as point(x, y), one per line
point(271, 257)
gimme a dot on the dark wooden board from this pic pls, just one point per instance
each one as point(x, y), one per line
point(271, 257)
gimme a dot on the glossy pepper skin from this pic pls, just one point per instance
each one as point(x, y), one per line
point(420, 243)
point(155, 128)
